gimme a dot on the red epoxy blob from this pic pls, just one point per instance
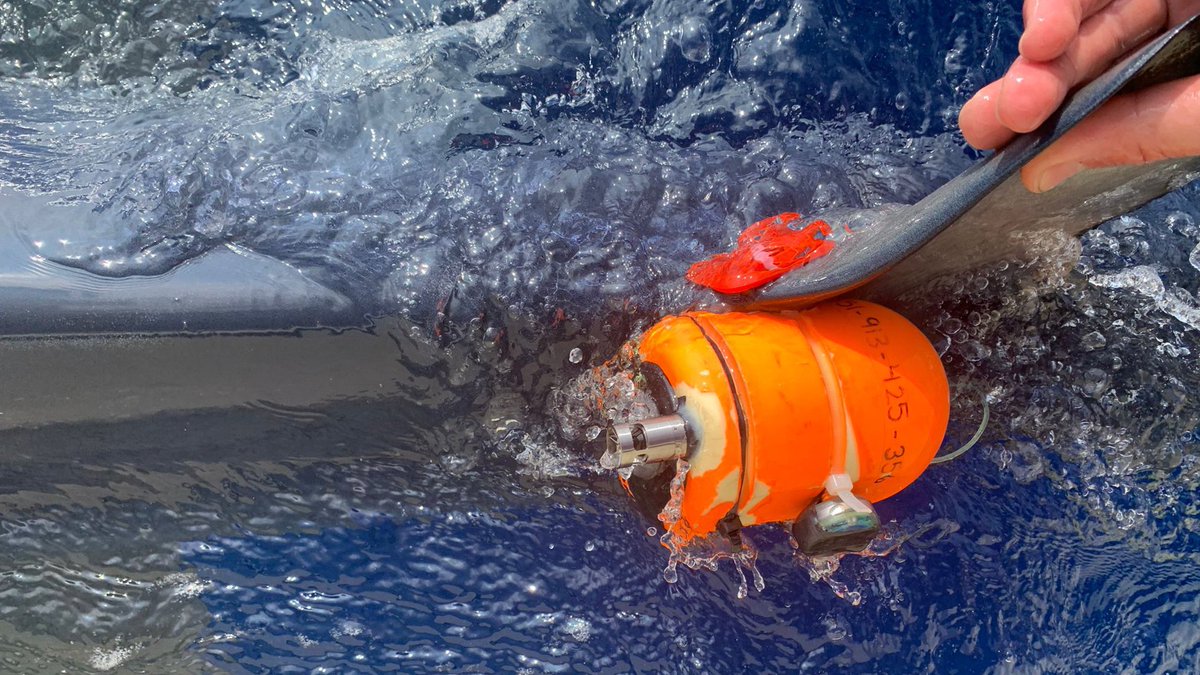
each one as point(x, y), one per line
point(765, 251)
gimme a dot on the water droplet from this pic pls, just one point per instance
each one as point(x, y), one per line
point(670, 574)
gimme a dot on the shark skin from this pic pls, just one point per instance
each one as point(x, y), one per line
point(978, 222)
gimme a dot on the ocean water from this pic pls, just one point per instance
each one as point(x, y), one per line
point(509, 190)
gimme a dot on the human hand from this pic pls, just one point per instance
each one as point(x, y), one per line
point(1067, 43)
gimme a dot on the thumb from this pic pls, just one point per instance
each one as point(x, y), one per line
point(1162, 122)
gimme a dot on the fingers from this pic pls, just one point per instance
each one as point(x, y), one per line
point(1032, 90)
point(1181, 10)
point(978, 122)
point(1162, 122)
point(1052, 25)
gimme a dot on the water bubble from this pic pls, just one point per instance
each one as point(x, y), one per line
point(671, 573)
point(1182, 223)
point(108, 659)
point(578, 628)
point(1172, 350)
point(1194, 257)
point(951, 326)
point(835, 629)
point(694, 39)
point(1093, 341)
point(1127, 224)
point(576, 355)
point(941, 345)
point(974, 351)
point(590, 546)
point(1095, 382)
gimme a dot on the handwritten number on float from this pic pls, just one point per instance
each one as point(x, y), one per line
point(897, 405)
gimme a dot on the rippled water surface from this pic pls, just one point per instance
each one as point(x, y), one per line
point(509, 190)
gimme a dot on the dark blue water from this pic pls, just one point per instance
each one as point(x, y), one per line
point(476, 167)
point(575, 587)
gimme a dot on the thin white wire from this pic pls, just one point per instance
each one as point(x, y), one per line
point(971, 443)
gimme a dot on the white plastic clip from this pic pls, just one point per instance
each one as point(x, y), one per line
point(840, 485)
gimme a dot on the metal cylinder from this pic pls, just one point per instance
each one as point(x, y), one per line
point(659, 439)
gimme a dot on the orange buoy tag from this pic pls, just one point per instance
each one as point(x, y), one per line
point(765, 251)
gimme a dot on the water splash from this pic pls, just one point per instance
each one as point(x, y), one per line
point(1078, 352)
point(604, 155)
point(104, 659)
point(1146, 281)
point(887, 543)
point(611, 391)
point(670, 516)
point(702, 552)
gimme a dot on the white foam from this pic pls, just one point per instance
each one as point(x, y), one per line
point(107, 659)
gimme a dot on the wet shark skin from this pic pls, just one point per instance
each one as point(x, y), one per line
point(1005, 225)
point(878, 246)
point(226, 289)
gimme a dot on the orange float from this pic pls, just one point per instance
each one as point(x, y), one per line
point(799, 416)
